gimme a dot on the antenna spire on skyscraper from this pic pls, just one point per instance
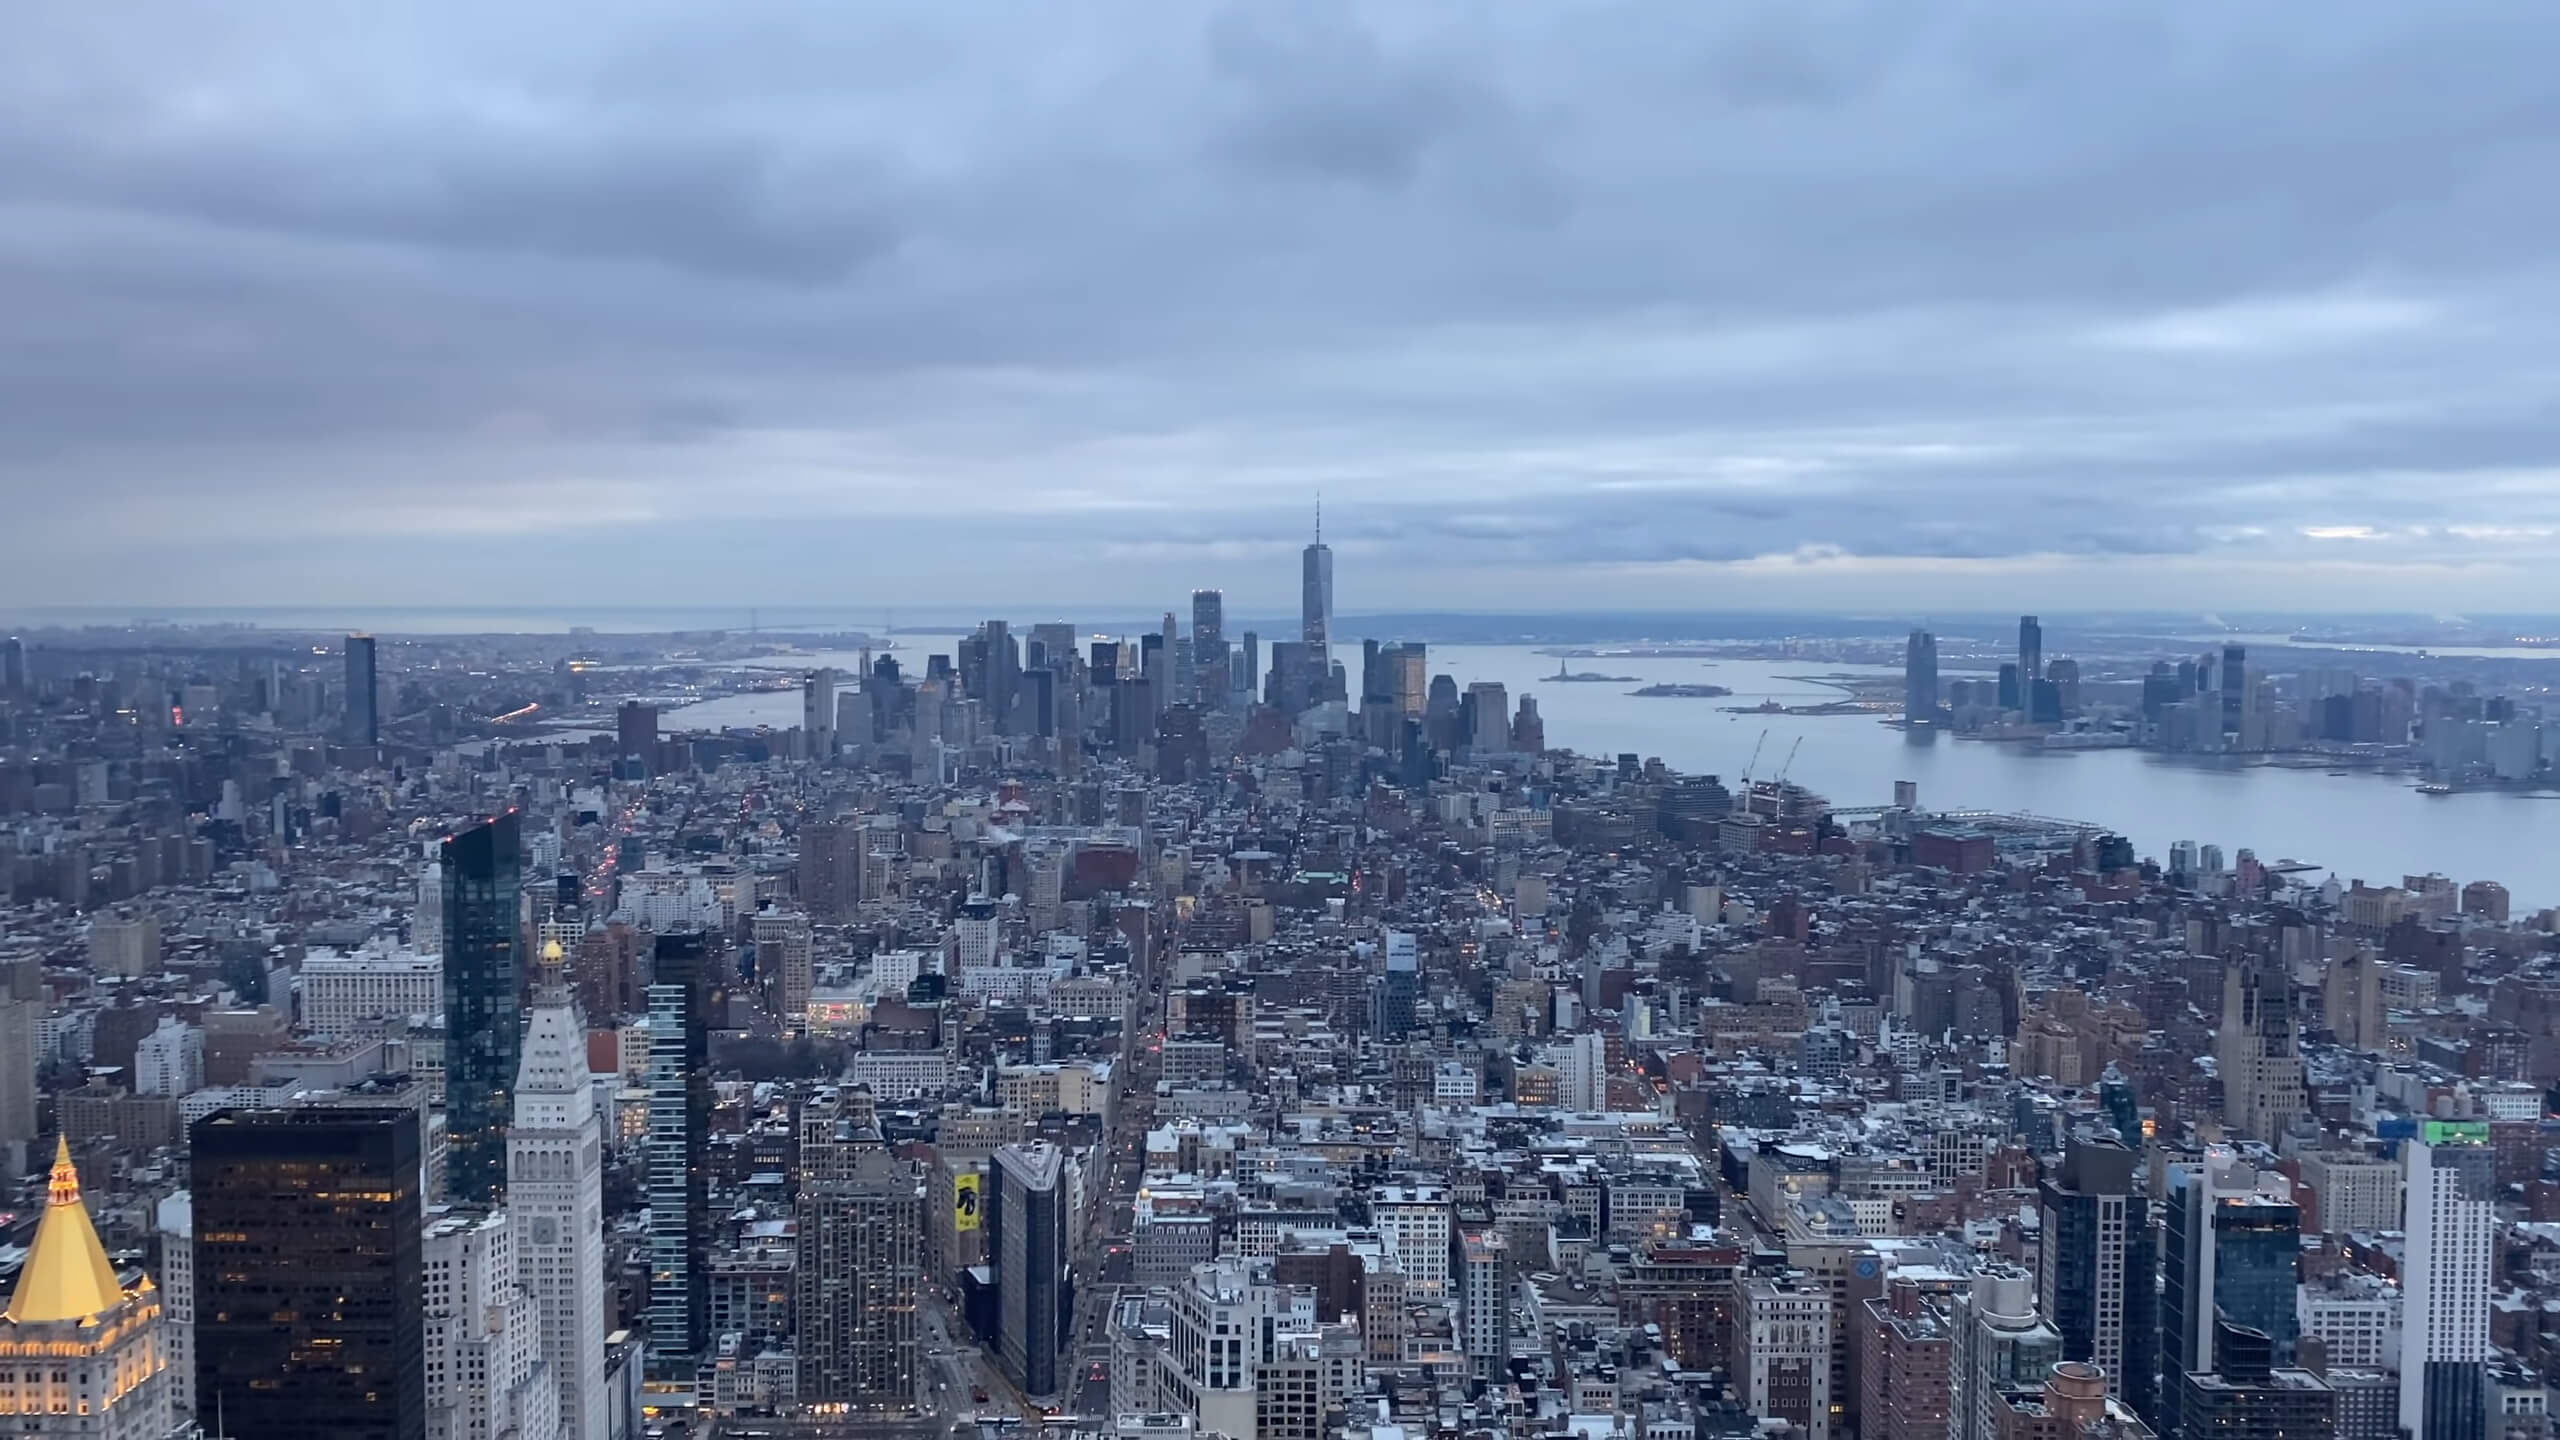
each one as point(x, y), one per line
point(1319, 517)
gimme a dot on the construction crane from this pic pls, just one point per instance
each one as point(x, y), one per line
point(1755, 758)
point(1791, 762)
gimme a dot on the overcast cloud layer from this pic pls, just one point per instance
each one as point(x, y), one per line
point(1677, 305)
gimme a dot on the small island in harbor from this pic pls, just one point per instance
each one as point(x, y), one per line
point(1682, 692)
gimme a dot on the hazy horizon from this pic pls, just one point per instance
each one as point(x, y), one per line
point(1490, 626)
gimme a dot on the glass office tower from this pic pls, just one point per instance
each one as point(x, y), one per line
point(310, 1310)
point(483, 1006)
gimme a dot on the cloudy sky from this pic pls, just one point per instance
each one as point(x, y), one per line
point(1559, 305)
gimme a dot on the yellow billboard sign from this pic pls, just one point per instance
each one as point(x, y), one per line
point(965, 1213)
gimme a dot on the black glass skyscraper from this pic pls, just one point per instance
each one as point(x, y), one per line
point(680, 992)
point(309, 1291)
point(364, 724)
point(483, 1023)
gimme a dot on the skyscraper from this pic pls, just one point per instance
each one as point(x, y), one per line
point(1209, 650)
point(2001, 1344)
point(1397, 990)
point(1315, 615)
point(860, 1270)
point(22, 1005)
point(2030, 655)
point(1027, 1243)
point(2065, 675)
point(310, 1305)
point(1408, 666)
point(818, 712)
point(2094, 1267)
point(485, 1375)
point(1485, 1286)
point(13, 665)
point(1055, 641)
point(2449, 1266)
point(2248, 1395)
point(483, 876)
point(636, 732)
point(2258, 1049)
point(2232, 1239)
point(2235, 687)
point(1782, 1352)
point(1488, 708)
point(831, 853)
point(1285, 688)
point(176, 1221)
point(679, 1158)
point(2044, 701)
point(364, 721)
point(925, 757)
point(82, 1355)
point(785, 964)
point(555, 1200)
point(1920, 677)
point(1004, 674)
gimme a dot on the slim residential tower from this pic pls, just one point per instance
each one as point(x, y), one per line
point(2451, 1257)
point(818, 712)
point(483, 1022)
point(679, 1155)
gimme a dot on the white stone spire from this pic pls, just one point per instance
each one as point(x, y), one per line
point(555, 1193)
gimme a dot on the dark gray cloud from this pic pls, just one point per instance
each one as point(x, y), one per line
point(1616, 302)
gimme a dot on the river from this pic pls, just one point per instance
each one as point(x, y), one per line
point(2370, 827)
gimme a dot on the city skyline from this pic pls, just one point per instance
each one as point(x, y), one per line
point(679, 753)
point(1901, 313)
point(948, 879)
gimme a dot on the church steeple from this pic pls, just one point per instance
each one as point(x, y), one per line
point(67, 1275)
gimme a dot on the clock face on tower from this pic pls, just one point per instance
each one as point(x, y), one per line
point(546, 1231)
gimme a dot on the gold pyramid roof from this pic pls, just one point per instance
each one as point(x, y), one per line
point(67, 1275)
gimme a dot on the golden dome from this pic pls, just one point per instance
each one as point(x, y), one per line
point(67, 1275)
